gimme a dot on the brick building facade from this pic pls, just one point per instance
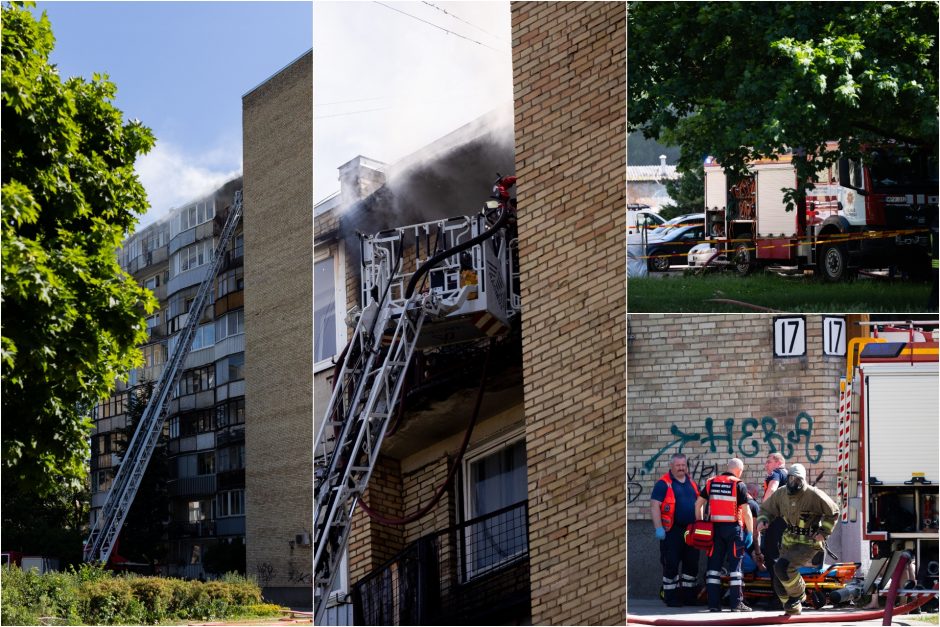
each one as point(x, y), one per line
point(552, 413)
point(710, 386)
point(277, 123)
point(569, 71)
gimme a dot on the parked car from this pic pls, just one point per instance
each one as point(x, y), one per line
point(686, 219)
point(675, 243)
point(640, 217)
point(700, 254)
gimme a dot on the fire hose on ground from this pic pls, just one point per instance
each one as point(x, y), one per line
point(825, 617)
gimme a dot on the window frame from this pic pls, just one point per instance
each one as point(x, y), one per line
point(483, 450)
point(338, 255)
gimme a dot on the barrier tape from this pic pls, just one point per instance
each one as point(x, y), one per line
point(837, 237)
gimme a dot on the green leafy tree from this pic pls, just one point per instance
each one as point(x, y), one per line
point(51, 525)
point(687, 192)
point(742, 81)
point(71, 318)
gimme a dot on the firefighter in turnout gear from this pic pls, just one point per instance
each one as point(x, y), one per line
point(672, 509)
point(727, 499)
point(810, 517)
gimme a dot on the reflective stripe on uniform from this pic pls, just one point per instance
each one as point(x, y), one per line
point(713, 576)
point(737, 578)
point(670, 583)
point(720, 518)
point(689, 581)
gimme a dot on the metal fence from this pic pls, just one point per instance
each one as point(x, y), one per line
point(474, 573)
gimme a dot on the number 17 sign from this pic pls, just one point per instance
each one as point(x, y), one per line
point(834, 336)
point(790, 336)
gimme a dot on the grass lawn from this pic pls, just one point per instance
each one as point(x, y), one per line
point(932, 619)
point(678, 293)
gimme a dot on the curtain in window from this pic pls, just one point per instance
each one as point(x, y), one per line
point(324, 310)
point(497, 481)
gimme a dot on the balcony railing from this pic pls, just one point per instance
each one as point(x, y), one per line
point(474, 573)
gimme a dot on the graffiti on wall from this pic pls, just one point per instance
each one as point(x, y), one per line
point(747, 439)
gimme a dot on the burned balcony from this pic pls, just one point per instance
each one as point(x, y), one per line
point(474, 573)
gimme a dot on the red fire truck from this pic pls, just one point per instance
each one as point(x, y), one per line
point(873, 212)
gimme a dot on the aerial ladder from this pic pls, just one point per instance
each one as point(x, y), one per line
point(367, 387)
point(120, 497)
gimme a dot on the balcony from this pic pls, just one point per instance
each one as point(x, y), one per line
point(474, 573)
point(193, 486)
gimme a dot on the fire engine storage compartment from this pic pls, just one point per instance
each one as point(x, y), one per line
point(901, 457)
point(391, 257)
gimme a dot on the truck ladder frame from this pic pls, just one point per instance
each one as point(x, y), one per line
point(117, 504)
point(364, 399)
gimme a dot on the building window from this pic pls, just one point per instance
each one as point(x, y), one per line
point(236, 367)
point(231, 281)
point(238, 248)
point(154, 355)
point(230, 413)
point(196, 214)
point(152, 283)
point(195, 423)
point(114, 406)
point(174, 427)
point(324, 310)
point(495, 478)
point(230, 458)
point(199, 511)
point(101, 480)
point(230, 324)
point(230, 503)
point(205, 463)
point(192, 256)
point(196, 380)
point(205, 337)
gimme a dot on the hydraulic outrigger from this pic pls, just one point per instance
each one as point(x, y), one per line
point(107, 527)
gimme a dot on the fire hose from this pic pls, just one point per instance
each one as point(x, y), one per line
point(826, 617)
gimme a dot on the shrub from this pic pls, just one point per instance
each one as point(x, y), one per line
point(111, 601)
point(91, 595)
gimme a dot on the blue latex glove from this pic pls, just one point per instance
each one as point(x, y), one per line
point(748, 539)
point(660, 533)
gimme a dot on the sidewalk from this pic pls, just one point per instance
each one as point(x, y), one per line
point(652, 609)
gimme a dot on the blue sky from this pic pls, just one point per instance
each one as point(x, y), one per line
point(182, 69)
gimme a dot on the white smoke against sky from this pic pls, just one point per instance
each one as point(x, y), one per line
point(173, 178)
point(386, 84)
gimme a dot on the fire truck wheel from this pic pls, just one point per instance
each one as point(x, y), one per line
point(659, 263)
point(833, 262)
point(744, 255)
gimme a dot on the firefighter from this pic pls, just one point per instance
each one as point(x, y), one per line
point(672, 509)
point(727, 499)
point(810, 517)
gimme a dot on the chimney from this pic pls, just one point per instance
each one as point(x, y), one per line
point(358, 178)
point(662, 166)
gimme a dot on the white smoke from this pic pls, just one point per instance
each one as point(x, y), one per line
point(173, 178)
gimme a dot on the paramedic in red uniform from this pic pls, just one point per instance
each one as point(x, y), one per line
point(726, 496)
point(672, 509)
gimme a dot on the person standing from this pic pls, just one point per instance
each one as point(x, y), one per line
point(672, 509)
point(810, 516)
point(726, 496)
point(775, 465)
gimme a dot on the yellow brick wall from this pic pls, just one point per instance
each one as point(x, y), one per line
point(570, 132)
point(278, 183)
point(709, 384)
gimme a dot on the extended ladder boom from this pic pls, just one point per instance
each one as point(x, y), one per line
point(123, 489)
point(364, 397)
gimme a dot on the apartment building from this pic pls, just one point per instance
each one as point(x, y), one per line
point(204, 431)
point(530, 529)
point(237, 437)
